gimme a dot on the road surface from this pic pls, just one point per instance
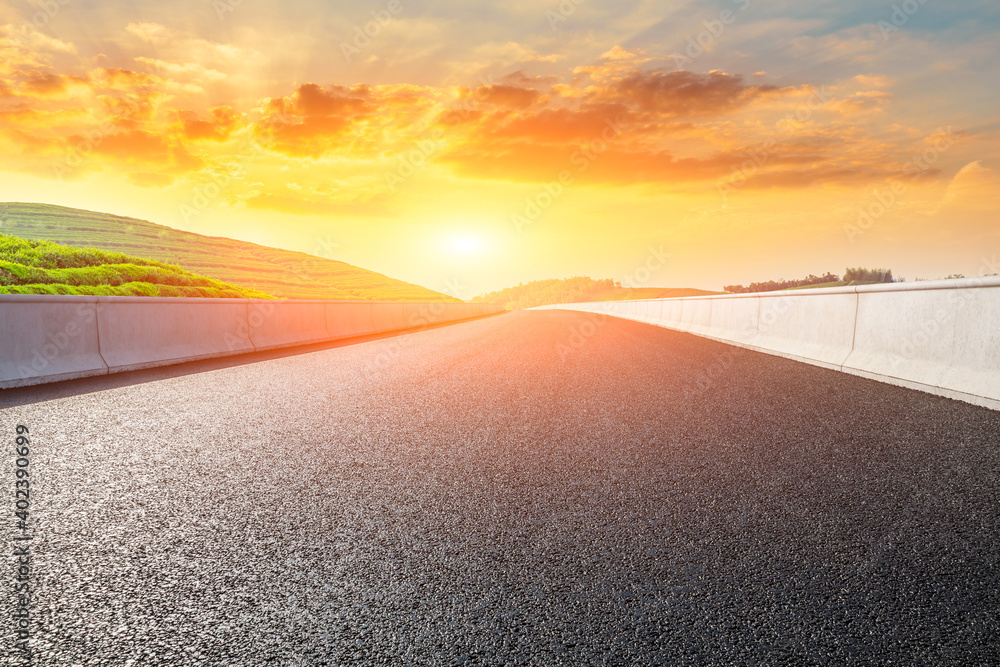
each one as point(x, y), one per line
point(534, 488)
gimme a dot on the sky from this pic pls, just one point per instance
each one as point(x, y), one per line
point(473, 146)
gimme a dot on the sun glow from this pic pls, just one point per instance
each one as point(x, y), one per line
point(465, 246)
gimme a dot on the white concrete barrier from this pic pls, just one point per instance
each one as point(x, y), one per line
point(975, 362)
point(143, 332)
point(942, 336)
point(673, 312)
point(933, 335)
point(649, 310)
point(697, 315)
point(388, 316)
point(734, 319)
point(809, 325)
point(423, 314)
point(598, 308)
point(886, 327)
point(634, 310)
point(45, 338)
point(276, 324)
point(48, 338)
point(346, 319)
point(427, 313)
point(435, 313)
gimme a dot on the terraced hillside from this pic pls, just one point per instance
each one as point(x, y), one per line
point(281, 273)
point(42, 267)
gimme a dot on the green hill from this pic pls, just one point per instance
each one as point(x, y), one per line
point(44, 267)
point(282, 273)
point(579, 289)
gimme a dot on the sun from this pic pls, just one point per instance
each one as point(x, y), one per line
point(465, 245)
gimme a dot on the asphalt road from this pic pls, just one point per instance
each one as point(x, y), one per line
point(535, 488)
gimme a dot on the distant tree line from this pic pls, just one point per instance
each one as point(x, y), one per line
point(851, 275)
point(868, 275)
point(774, 285)
point(543, 292)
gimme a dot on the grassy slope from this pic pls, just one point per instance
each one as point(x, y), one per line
point(44, 267)
point(282, 273)
point(624, 293)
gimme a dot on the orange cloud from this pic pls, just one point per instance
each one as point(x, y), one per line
point(123, 79)
point(683, 93)
point(587, 164)
point(561, 125)
point(813, 174)
point(21, 114)
point(305, 123)
point(600, 163)
point(223, 123)
point(127, 112)
point(619, 122)
point(158, 158)
point(507, 96)
point(47, 85)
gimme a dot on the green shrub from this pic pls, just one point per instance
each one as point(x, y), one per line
point(43, 267)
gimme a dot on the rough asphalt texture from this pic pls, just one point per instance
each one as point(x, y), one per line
point(512, 491)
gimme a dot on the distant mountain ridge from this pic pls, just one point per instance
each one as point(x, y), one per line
point(282, 273)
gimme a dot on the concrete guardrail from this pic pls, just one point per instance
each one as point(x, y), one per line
point(46, 338)
point(941, 336)
point(344, 320)
point(50, 337)
point(138, 332)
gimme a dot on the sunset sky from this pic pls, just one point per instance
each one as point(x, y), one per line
point(472, 146)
